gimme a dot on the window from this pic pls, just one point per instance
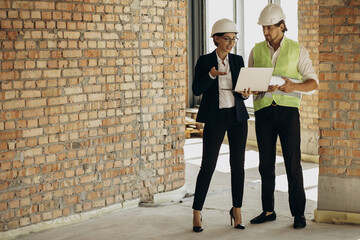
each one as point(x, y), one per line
point(252, 32)
point(216, 10)
point(290, 8)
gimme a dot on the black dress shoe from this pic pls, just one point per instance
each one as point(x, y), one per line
point(263, 218)
point(299, 222)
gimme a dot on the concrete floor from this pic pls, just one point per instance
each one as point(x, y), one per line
point(174, 220)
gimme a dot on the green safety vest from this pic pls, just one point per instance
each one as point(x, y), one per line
point(286, 66)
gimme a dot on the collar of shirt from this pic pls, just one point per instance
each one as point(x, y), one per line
point(225, 81)
point(226, 97)
point(224, 62)
point(275, 54)
point(281, 43)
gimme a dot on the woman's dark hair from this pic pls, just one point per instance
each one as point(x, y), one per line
point(282, 22)
point(219, 35)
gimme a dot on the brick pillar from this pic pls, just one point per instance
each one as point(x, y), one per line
point(308, 21)
point(92, 105)
point(339, 112)
point(162, 90)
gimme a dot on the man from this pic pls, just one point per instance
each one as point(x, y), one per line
point(277, 112)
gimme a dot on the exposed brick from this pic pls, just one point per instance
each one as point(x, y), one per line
point(32, 132)
point(339, 67)
point(72, 105)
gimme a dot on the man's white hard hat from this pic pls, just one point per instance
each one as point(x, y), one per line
point(224, 26)
point(271, 14)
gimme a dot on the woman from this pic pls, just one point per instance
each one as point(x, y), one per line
point(222, 110)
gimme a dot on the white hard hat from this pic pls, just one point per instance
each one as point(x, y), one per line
point(271, 14)
point(224, 26)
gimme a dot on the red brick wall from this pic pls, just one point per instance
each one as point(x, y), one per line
point(92, 105)
point(308, 35)
point(339, 105)
point(308, 20)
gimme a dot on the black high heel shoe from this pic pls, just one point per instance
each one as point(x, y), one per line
point(198, 229)
point(240, 225)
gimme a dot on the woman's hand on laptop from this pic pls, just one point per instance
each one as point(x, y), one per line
point(247, 93)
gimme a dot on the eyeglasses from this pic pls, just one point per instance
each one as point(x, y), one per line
point(228, 40)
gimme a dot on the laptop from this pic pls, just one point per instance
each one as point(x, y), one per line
point(255, 78)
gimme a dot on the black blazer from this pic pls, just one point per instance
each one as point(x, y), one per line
point(209, 88)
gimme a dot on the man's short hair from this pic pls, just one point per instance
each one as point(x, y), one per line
point(282, 22)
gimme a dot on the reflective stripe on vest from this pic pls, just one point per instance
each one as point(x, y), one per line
point(286, 65)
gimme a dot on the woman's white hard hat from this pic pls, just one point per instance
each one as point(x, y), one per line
point(271, 14)
point(224, 26)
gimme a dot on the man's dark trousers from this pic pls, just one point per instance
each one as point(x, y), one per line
point(284, 122)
